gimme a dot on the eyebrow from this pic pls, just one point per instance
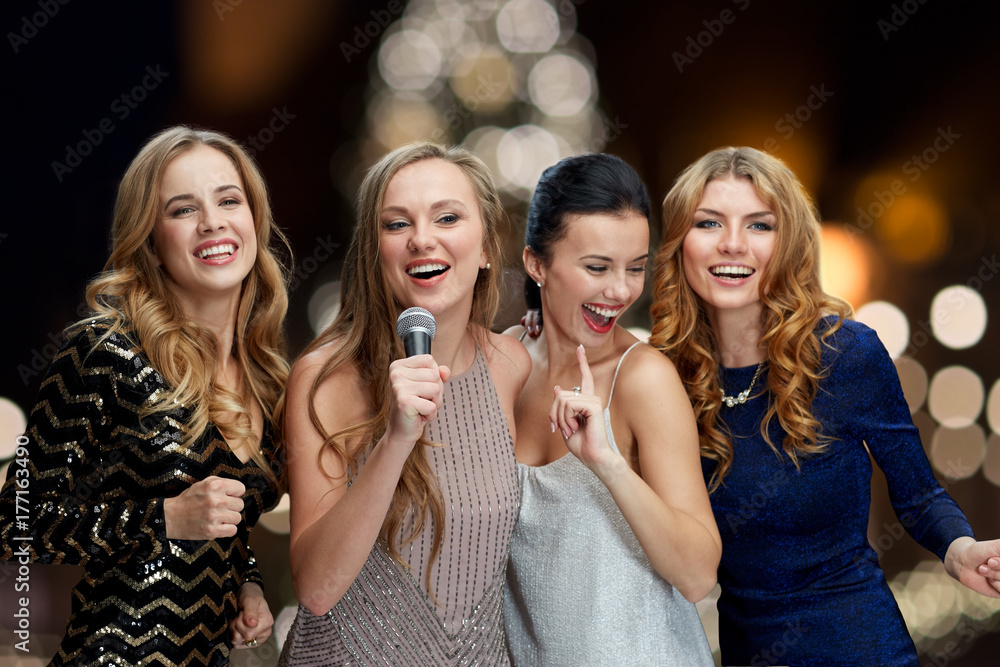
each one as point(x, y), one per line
point(758, 214)
point(185, 197)
point(436, 206)
point(602, 258)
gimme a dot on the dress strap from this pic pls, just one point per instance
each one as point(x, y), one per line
point(618, 367)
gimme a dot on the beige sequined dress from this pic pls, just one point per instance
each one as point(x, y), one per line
point(387, 617)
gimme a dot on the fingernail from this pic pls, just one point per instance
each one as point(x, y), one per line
point(564, 435)
point(553, 425)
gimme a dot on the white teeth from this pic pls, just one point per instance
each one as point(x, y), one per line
point(603, 312)
point(222, 249)
point(426, 268)
point(732, 271)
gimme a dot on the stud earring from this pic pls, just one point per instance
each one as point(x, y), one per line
point(539, 283)
point(487, 266)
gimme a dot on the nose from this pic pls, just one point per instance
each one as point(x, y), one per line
point(733, 241)
point(422, 236)
point(212, 220)
point(617, 287)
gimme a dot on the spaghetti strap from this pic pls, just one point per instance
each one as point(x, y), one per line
point(617, 368)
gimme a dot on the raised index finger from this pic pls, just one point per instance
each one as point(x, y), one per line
point(586, 378)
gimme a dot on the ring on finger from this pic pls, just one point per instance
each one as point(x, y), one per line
point(576, 391)
point(251, 642)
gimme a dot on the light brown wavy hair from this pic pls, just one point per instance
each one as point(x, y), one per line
point(132, 290)
point(794, 303)
point(364, 333)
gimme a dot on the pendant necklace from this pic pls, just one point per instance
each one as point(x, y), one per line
point(741, 397)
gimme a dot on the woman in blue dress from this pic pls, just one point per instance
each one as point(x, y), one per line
point(791, 396)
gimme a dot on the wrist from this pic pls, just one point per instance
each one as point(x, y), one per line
point(611, 468)
point(953, 556)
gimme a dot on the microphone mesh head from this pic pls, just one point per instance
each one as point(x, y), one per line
point(415, 318)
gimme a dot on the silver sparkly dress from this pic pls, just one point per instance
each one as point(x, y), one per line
point(580, 589)
point(387, 617)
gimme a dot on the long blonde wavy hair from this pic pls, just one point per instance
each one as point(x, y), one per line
point(364, 332)
point(132, 290)
point(793, 300)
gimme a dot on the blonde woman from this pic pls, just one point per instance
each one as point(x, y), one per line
point(791, 397)
point(148, 456)
point(399, 535)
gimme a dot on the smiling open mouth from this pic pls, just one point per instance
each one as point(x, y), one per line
point(426, 271)
point(732, 272)
point(216, 252)
point(599, 319)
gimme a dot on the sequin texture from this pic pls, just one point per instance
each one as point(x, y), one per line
point(386, 616)
point(580, 588)
point(143, 599)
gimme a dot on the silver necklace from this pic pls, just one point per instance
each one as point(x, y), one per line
point(742, 397)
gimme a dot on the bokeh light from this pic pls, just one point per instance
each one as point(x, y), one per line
point(528, 26)
point(991, 464)
point(561, 85)
point(914, 228)
point(957, 453)
point(409, 60)
point(889, 323)
point(484, 81)
point(845, 265)
point(324, 304)
point(956, 396)
point(523, 153)
point(396, 121)
point(12, 424)
point(278, 519)
point(913, 379)
point(958, 317)
point(993, 407)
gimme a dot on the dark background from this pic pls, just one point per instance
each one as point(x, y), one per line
point(232, 66)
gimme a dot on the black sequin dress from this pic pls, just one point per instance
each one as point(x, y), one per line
point(97, 476)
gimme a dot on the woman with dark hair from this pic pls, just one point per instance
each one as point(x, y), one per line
point(399, 536)
point(793, 401)
point(615, 537)
point(148, 456)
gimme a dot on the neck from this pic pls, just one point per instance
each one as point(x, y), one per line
point(738, 333)
point(452, 343)
point(219, 317)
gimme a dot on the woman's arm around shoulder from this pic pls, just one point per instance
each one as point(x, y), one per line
point(670, 511)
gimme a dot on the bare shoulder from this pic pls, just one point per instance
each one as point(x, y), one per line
point(515, 331)
point(646, 372)
point(508, 360)
point(339, 393)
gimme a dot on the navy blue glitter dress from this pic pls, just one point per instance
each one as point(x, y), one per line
point(800, 583)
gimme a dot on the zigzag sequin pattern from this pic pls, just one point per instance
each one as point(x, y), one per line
point(98, 474)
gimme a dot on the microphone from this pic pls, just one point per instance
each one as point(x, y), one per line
point(416, 326)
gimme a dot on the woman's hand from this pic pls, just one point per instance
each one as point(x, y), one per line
point(532, 322)
point(975, 564)
point(579, 415)
point(417, 387)
point(253, 623)
point(206, 510)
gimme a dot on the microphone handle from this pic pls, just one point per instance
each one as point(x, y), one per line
point(417, 341)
